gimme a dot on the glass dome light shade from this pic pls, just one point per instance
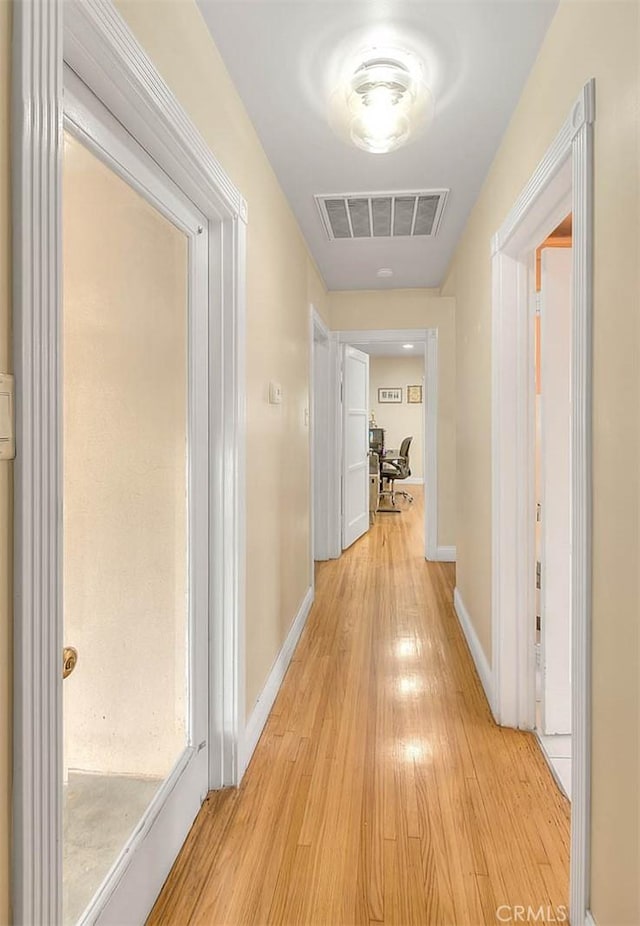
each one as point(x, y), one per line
point(379, 133)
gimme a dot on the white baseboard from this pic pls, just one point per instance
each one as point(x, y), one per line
point(477, 653)
point(445, 554)
point(412, 481)
point(263, 705)
point(589, 920)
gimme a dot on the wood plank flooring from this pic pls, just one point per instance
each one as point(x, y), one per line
point(381, 791)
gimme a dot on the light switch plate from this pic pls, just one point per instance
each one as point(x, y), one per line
point(275, 393)
point(7, 418)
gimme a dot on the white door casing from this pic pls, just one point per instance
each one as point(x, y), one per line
point(104, 54)
point(318, 428)
point(321, 434)
point(355, 445)
point(561, 183)
point(555, 326)
point(326, 438)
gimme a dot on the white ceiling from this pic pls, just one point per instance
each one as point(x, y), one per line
point(284, 58)
point(390, 349)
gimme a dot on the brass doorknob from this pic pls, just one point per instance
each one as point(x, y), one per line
point(69, 660)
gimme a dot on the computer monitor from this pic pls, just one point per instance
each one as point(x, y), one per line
point(376, 440)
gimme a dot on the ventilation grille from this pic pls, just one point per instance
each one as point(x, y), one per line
point(382, 215)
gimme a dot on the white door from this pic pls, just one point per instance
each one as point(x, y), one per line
point(555, 337)
point(135, 523)
point(355, 445)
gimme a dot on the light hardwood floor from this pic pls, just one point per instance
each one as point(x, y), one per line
point(381, 791)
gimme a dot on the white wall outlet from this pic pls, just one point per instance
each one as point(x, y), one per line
point(7, 428)
point(275, 393)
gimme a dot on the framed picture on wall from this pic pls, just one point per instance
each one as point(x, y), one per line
point(414, 394)
point(389, 394)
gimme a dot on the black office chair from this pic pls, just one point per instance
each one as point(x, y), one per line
point(396, 469)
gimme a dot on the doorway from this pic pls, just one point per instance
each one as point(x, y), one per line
point(134, 461)
point(561, 184)
point(425, 346)
point(128, 530)
point(396, 415)
point(326, 442)
point(131, 605)
point(552, 343)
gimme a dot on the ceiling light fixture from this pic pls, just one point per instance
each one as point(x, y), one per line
point(384, 272)
point(408, 346)
point(386, 100)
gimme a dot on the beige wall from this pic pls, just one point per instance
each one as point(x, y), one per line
point(6, 469)
point(281, 280)
point(416, 308)
point(601, 40)
point(316, 292)
point(125, 452)
point(404, 419)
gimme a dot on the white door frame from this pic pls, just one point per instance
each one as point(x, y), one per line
point(428, 339)
point(562, 183)
point(93, 39)
point(355, 458)
point(554, 554)
point(328, 501)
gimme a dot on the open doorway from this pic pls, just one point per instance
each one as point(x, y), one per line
point(130, 743)
point(327, 426)
point(129, 296)
point(561, 184)
point(424, 343)
point(406, 404)
point(396, 424)
point(552, 341)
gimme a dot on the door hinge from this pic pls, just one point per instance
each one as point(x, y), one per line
point(538, 512)
point(538, 304)
point(538, 574)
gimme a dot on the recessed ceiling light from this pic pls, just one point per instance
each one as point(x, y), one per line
point(385, 272)
point(408, 346)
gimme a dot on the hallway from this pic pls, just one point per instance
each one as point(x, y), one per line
point(380, 791)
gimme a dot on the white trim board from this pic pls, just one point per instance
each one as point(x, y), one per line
point(262, 708)
point(562, 182)
point(475, 647)
point(589, 920)
point(543, 743)
point(445, 555)
point(324, 492)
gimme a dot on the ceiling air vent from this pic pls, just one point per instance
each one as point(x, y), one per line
point(382, 215)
